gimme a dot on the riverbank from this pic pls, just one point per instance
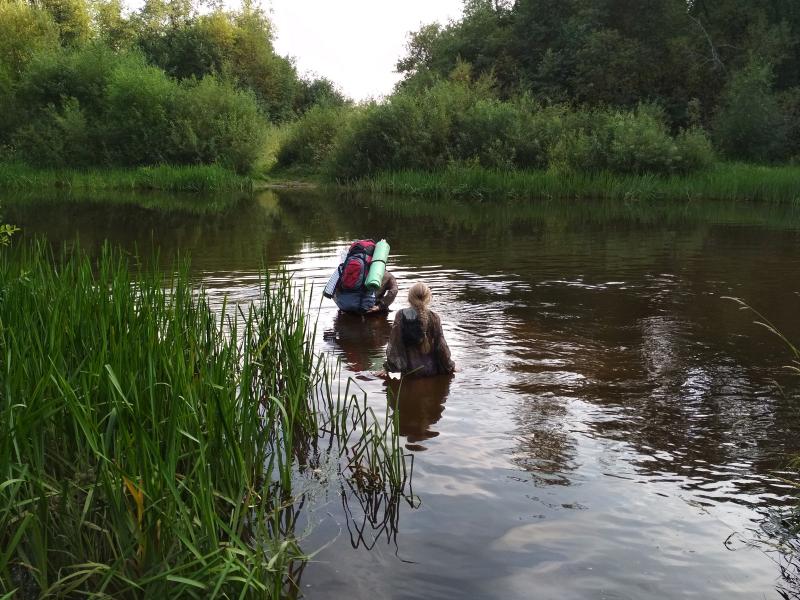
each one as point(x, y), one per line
point(725, 181)
point(196, 178)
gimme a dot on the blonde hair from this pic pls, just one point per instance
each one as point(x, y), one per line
point(419, 297)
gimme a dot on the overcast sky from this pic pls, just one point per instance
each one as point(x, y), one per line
point(354, 43)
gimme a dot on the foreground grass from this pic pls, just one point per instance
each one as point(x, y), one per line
point(150, 449)
point(200, 178)
point(726, 181)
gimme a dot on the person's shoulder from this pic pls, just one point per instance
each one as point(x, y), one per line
point(435, 318)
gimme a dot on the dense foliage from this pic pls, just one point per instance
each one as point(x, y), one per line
point(705, 62)
point(458, 122)
point(579, 85)
point(87, 84)
point(570, 85)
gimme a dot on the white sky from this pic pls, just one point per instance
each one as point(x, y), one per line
point(354, 43)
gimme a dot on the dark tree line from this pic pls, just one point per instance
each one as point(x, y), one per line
point(705, 62)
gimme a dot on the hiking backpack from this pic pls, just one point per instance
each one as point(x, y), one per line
point(355, 267)
point(413, 334)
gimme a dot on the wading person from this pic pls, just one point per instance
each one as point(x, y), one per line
point(417, 347)
point(352, 294)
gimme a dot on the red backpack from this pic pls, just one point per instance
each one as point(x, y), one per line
point(355, 267)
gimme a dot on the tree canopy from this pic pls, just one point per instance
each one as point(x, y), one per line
point(613, 52)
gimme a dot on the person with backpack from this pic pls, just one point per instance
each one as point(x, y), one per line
point(351, 293)
point(417, 347)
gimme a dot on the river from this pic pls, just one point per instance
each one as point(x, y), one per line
point(617, 428)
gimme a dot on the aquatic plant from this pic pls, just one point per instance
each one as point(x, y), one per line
point(151, 446)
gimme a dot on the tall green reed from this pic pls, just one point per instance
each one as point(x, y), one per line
point(149, 447)
point(173, 178)
point(725, 181)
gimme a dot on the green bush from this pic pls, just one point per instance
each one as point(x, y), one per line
point(92, 106)
point(140, 112)
point(695, 152)
point(58, 137)
point(485, 133)
point(383, 137)
point(630, 142)
point(311, 138)
point(216, 123)
point(25, 31)
point(84, 74)
point(540, 128)
point(639, 143)
point(428, 129)
point(749, 124)
point(452, 123)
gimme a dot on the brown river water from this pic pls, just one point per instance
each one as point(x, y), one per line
point(617, 429)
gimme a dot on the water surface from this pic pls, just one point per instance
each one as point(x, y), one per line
point(616, 429)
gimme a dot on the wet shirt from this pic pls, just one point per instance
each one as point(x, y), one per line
point(410, 359)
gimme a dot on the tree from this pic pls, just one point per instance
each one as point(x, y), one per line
point(750, 124)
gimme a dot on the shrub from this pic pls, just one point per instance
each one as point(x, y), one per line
point(92, 106)
point(383, 137)
point(58, 137)
point(578, 150)
point(311, 138)
point(695, 151)
point(411, 130)
point(639, 143)
point(539, 130)
point(749, 124)
point(629, 142)
point(140, 111)
point(216, 123)
point(83, 74)
point(485, 134)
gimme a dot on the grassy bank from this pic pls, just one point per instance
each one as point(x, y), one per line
point(726, 181)
point(149, 448)
point(202, 178)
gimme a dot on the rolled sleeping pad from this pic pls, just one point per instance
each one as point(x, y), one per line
point(333, 281)
point(378, 266)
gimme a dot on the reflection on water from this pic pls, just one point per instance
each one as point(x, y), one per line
point(359, 340)
point(613, 430)
point(419, 403)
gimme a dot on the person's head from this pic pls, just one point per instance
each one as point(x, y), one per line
point(419, 297)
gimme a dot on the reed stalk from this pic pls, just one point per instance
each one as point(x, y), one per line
point(152, 447)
